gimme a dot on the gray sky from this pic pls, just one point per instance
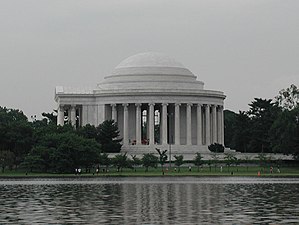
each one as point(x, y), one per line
point(246, 48)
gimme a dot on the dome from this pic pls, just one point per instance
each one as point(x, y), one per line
point(151, 63)
point(151, 70)
point(149, 59)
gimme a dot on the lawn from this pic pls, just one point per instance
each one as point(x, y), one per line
point(184, 171)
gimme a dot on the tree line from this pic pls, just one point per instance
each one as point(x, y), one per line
point(269, 126)
point(41, 145)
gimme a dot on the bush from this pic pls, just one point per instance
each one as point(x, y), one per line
point(217, 148)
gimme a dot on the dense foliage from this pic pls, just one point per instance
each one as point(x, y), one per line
point(270, 126)
point(43, 146)
point(149, 160)
point(16, 134)
point(121, 161)
point(217, 148)
point(107, 135)
point(198, 160)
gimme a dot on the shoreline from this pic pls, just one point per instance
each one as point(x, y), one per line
point(51, 176)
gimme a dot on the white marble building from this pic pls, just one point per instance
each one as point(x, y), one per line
point(155, 101)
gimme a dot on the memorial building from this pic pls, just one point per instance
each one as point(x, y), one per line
point(156, 103)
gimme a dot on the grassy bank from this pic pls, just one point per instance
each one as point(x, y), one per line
point(184, 171)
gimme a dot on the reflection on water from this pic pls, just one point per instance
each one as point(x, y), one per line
point(150, 201)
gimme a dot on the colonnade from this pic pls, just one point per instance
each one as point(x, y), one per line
point(208, 121)
point(179, 123)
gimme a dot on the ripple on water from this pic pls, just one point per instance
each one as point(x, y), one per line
point(150, 201)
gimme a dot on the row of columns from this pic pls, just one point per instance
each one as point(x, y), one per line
point(217, 131)
point(218, 134)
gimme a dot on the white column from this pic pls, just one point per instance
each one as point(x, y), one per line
point(73, 115)
point(80, 119)
point(222, 125)
point(177, 124)
point(199, 125)
point(188, 118)
point(126, 125)
point(100, 111)
point(208, 134)
point(96, 110)
point(84, 115)
point(219, 125)
point(138, 124)
point(151, 124)
point(214, 112)
point(60, 115)
point(164, 123)
point(114, 112)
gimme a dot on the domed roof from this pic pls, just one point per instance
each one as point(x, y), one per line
point(149, 59)
point(151, 63)
point(150, 71)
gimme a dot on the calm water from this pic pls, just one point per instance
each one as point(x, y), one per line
point(150, 201)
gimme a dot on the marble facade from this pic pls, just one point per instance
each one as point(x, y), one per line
point(155, 101)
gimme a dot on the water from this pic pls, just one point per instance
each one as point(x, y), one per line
point(185, 200)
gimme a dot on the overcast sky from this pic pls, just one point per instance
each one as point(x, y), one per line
point(246, 48)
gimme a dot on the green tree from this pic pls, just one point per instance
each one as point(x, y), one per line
point(284, 133)
point(108, 136)
point(229, 127)
point(135, 162)
point(38, 159)
point(162, 158)
point(149, 160)
point(120, 161)
point(20, 139)
point(88, 131)
point(179, 160)
point(6, 159)
point(198, 160)
point(15, 133)
point(104, 160)
point(242, 132)
point(88, 153)
point(70, 151)
point(41, 128)
point(288, 98)
point(262, 113)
